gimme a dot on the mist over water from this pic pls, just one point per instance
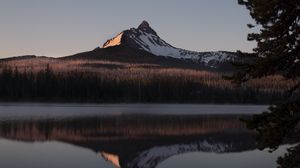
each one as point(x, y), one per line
point(24, 110)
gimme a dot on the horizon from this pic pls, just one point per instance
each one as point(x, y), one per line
point(32, 28)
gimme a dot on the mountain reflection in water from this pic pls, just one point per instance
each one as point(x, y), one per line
point(137, 141)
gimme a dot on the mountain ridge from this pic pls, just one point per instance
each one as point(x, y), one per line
point(145, 38)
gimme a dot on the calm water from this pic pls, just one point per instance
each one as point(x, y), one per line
point(129, 136)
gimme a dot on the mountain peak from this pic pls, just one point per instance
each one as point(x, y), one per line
point(144, 24)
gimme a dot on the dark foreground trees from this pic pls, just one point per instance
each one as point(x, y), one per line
point(277, 52)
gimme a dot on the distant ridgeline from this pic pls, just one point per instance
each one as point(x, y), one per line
point(137, 85)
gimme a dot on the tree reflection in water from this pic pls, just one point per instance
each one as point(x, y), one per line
point(131, 141)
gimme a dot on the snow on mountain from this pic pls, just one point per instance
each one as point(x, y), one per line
point(145, 38)
point(114, 41)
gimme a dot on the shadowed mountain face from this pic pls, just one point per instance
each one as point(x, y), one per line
point(137, 141)
point(128, 54)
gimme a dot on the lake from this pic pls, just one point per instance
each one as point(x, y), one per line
point(129, 136)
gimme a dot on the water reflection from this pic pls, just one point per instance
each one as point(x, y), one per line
point(137, 141)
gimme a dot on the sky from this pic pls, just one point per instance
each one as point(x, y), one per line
point(65, 27)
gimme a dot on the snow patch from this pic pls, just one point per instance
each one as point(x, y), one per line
point(114, 41)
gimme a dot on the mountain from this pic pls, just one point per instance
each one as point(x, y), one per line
point(141, 45)
point(146, 39)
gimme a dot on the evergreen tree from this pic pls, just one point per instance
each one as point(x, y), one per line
point(277, 52)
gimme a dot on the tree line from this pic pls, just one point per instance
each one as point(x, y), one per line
point(73, 86)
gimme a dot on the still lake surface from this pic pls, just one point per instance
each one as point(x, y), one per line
point(129, 136)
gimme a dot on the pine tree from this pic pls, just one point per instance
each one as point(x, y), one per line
point(277, 52)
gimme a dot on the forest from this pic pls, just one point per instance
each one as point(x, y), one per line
point(144, 85)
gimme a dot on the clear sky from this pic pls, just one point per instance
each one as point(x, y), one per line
point(64, 27)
